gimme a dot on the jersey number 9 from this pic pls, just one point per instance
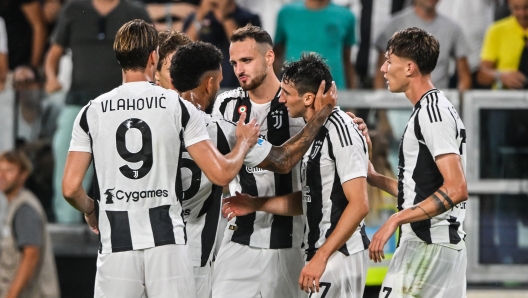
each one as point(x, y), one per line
point(144, 154)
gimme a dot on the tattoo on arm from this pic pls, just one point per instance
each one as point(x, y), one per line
point(416, 206)
point(447, 198)
point(440, 207)
point(285, 157)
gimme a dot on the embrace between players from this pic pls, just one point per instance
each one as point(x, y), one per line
point(297, 168)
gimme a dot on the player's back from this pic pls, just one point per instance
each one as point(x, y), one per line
point(135, 133)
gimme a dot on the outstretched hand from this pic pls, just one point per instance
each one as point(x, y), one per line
point(249, 132)
point(322, 99)
point(238, 205)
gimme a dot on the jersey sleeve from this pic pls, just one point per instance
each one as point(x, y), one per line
point(27, 227)
point(61, 35)
point(462, 47)
point(350, 152)
point(490, 48)
point(195, 130)
point(438, 128)
point(256, 154)
point(350, 36)
point(80, 138)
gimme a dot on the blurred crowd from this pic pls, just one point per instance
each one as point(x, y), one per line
point(56, 55)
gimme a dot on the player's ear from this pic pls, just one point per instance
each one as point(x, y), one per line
point(208, 84)
point(411, 69)
point(308, 99)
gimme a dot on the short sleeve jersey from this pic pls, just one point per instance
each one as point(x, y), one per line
point(338, 154)
point(135, 133)
point(201, 198)
point(434, 129)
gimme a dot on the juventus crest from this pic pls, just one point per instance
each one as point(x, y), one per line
point(277, 116)
point(316, 148)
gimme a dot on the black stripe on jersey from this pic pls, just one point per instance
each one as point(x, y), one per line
point(343, 123)
point(362, 139)
point(161, 224)
point(120, 235)
point(84, 121)
point(429, 112)
point(436, 106)
point(338, 198)
point(281, 235)
point(245, 101)
point(224, 103)
point(314, 207)
point(364, 237)
point(185, 114)
point(342, 139)
point(401, 162)
point(430, 105)
point(454, 225)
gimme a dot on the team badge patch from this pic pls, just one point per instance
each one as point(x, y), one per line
point(242, 109)
point(260, 142)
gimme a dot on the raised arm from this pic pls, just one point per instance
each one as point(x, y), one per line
point(222, 169)
point(450, 194)
point(282, 159)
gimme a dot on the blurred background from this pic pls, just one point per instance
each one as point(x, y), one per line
point(56, 55)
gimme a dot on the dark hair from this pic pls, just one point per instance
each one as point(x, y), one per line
point(306, 74)
point(169, 41)
point(18, 158)
point(254, 32)
point(418, 45)
point(133, 44)
point(191, 62)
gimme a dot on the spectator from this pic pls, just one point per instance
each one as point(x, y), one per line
point(88, 28)
point(26, 32)
point(27, 267)
point(214, 22)
point(504, 57)
point(331, 33)
point(453, 44)
point(474, 16)
point(267, 10)
point(169, 14)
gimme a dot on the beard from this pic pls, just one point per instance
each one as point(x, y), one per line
point(257, 81)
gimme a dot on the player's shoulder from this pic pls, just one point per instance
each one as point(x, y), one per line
point(338, 119)
point(231, 95)
point(434, 107)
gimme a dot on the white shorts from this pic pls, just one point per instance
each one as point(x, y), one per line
point(344, 276)
point(202, 279)
point(162, 271)
point(418, 269)
point(244, 271)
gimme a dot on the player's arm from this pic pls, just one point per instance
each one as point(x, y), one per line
point(387, 184)
point(27, 267)
point(464, 74)
point(357, 208)
point(77, 164)
point(282, 159)
point(222, 169)
point(243, 204)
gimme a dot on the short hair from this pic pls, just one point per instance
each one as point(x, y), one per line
point(18, 158)
point(254, 32)
point(169, 41)
point(417, 45)
point(134, 42)
point(306, 74)
point(191, 62)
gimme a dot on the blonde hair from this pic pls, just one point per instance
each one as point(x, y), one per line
point(133, 44)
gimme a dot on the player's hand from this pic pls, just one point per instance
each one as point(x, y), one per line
point(362, 126)
point(238, 205)
point(52, 85)
point(249, 132)
point(380, 239)
point(91, 220)
point(311, 274)
point(513, 79)
point(322, 99)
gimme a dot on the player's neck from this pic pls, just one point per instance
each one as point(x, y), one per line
point(13, 193)
point(313, 4)
point(309, 114)
point(418, 87)
point(266, 91)
point(195, 97)
point(425, 14)
point(130, 76)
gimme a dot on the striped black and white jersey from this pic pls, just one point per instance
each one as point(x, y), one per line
point(201, 198)
point(338, 154)
point(434, 128)
point(261, 229)
point(134, 133)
